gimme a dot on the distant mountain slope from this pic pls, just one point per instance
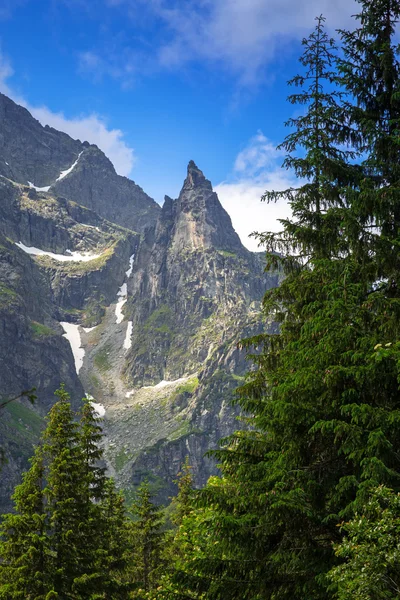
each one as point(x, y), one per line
point(42, 157)
point(94, 183)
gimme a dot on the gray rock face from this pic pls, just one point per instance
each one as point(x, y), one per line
point(32, 353)
point(95, 184)
point(32, 153)
point(193, 286)
point(29, 151)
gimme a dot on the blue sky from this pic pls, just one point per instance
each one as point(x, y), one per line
point(156, 83)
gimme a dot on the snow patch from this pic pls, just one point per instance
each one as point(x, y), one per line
point(99, 408)
point(129, 271)
point(39, 189)
point(67, 171)
point(128, 337)
point(165, 383)
point(129, 394)
point(71, 256)
point(73, 335)
point(88, 329)
point(123, 296)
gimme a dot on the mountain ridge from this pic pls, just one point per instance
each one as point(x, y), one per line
point(154, 311)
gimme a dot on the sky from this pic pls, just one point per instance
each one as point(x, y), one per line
point(156, 83)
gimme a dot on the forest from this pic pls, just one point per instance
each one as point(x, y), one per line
point(307, 503)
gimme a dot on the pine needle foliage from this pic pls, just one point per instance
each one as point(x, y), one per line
point(146, 543)
point(60, 541)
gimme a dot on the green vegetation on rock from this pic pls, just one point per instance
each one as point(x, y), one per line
point(40, 330)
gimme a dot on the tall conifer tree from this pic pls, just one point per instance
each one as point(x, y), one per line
point(146, 543)
point(24, 573)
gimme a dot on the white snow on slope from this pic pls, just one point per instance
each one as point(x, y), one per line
point(158, 386)
point(39, 189)
point(71, 256)
point(99, 408)
point(122, 295)
point(67, 171)
point(128, 336)
point(74, 337)
point(129, 271)
point(164, 383)
point(88, 329)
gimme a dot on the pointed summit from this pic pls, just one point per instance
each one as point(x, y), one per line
point(196, 219)
point(195, 178)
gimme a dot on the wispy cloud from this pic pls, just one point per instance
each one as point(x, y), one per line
point(257, 168)
point(92, 128)
point(239, 36)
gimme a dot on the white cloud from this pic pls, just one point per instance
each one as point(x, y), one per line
point(258, 155)
point(241, 35)
point(92, 128)
point(256, 169)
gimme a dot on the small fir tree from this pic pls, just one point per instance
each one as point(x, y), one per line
point(146, 542)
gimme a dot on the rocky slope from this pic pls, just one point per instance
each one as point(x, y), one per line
point(42, 157)
point(152, 321)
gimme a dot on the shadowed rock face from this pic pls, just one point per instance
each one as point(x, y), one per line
point(32, 353)
point(29, 151)
point(95, 184)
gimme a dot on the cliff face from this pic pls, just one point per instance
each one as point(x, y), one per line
point(44, 158)
point(152, 321)
point(194, 285)
point(30, 152)
point(94, 183)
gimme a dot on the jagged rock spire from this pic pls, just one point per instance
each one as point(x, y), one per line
point(195, 178)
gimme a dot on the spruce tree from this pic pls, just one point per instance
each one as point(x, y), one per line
point(115, 545)
point(63, 492)
point(24, 555)
point(146, 543)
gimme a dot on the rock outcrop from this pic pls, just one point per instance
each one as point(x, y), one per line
point(42, 157)
point(94, 183)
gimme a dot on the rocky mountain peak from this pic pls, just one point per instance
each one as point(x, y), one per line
point(195, 178)
point(197, 219)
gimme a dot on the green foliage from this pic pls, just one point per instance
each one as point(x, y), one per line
point(7, 296)
point(370, 550)
point(160, 320)
point(40, 330)
point(146, 544)
point(58, 542)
